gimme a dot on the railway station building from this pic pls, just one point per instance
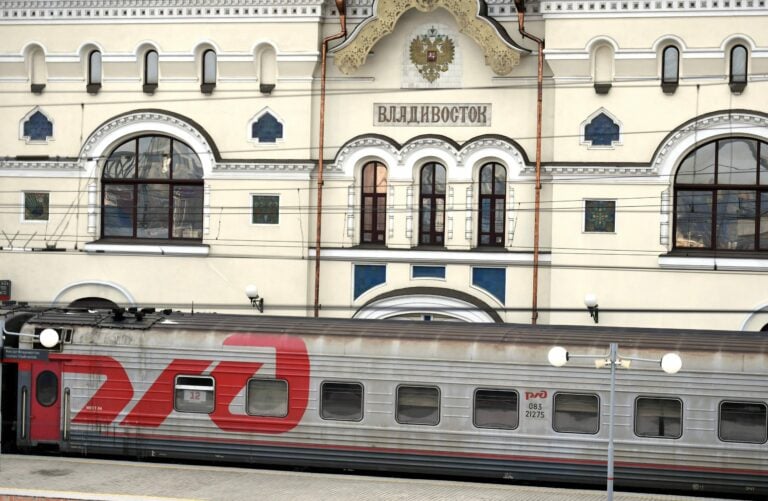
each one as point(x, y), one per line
point(172, 153)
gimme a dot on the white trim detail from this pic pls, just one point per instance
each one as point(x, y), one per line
point(712, 263)
point(102, 283)
point(423, 303)
point(444, 257)
point(162, 250)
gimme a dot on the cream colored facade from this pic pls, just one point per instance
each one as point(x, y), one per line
point(381, 107)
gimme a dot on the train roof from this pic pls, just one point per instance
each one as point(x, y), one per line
point(566, 335)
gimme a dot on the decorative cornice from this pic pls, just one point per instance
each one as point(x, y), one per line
point(592, 170)
point(623, 8)
point(264, 167)
point(724, 121)
point(40, 165)
point(489, 143)
point(362, 143)
point(90, 10)
point(500, 54)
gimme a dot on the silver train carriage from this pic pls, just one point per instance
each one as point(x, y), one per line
point(428, 397)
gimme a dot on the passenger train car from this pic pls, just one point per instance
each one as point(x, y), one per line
point(429, 397)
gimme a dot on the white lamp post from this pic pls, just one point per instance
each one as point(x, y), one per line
point(670, 363)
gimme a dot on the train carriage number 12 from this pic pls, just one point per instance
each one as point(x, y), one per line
point(193, 395)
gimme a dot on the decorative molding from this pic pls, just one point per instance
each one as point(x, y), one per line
point(303, 168)
point(362, 255)
point(32, 11)
point(644, 8)
point(40, 165)
point(500, 54)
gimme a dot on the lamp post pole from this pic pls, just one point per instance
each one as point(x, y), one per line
point(613, 357)
point(670, 363)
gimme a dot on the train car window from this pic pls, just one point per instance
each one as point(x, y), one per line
point(743, 422)
point(576, 413)
point(47, 388)
point(495, 409)
point(341, 401)
point(418, 405)
point(267, 397)
point(194, 394)
point(658, 417)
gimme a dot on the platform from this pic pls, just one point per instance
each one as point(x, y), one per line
point(55, 478)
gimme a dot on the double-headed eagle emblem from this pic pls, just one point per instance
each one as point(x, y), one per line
point(431, 53)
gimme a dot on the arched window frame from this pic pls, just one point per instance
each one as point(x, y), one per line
point(728, 207)
point(184, 203)
point(670, 68)
point(266, 60)
point(432, 204)
point(603, 56)
point(492, 206)
point(151, 71)
point(94, 72)
point(373, 203)
point(38, 74)
point(208, 71)
point(738, 68)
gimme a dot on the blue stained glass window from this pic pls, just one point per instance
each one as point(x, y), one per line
point(601, 131)
point(600, 215)
point(267, 129)
point(429, 272)
point(492, 280)
point(38, 127)
point(368, 276)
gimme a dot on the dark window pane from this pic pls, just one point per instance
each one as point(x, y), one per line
point(381, 214)
point(152, 211)
point(735, 220)
point(121, 164)
point(186, 163)
point(743, 422)
point(658, 417)
point(266, 209)
point(36, 206)
point(341, 401)
point(670, 65)
point(739, 64)
point(118, 210)
point(763, 163)
point(496, 409)
point(694, 219)
point(440, 179)
point(151, 68)
point(47, 388)
point(737, 161)
point(485, 215)
point(188, 212)
point(427, 179)
point(764, 220)
point(600, 216)
point(486, 180)
point(698, 167)
point(194, 394)
point(576, 413)
point(418, 405)
point(267, 397)
point(94, 68)
point(209, 67)
point(154, 157)
point(500, 177)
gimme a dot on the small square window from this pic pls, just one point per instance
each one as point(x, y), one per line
point(600, 216)
point(267, 397)
point(743, 422)
point(437, 272)
point(36, 206)
point(418, 405)
point(194, 394)
point(496, 409)
point(658, 417)
point(266, 209)
point(576, 413)
point(341, 401)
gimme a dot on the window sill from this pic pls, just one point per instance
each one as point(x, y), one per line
point(684, 261)
point(153, 248)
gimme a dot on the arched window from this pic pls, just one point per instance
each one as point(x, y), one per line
point(603, 75)
point(208, 72)
point(432, 205)
point(493, 192)
point(374, 203)
point(721, 197)
point(151, 71)
point(670, 68)
point(94, 72)
point(738, 73)
point(37, 71)
point(153, 189)
point(267, 69)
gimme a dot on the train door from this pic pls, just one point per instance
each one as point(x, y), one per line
point(45, 402)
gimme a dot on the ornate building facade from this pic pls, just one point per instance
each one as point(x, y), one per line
point(167, 154)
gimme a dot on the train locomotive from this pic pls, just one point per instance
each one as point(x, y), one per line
point(442, 398)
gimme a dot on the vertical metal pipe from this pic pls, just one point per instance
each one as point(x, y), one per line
point(614, 357)
point(520, 5)
point(341, 8)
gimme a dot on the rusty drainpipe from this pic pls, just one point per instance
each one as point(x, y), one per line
point(342, 10)
point(520, 5)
